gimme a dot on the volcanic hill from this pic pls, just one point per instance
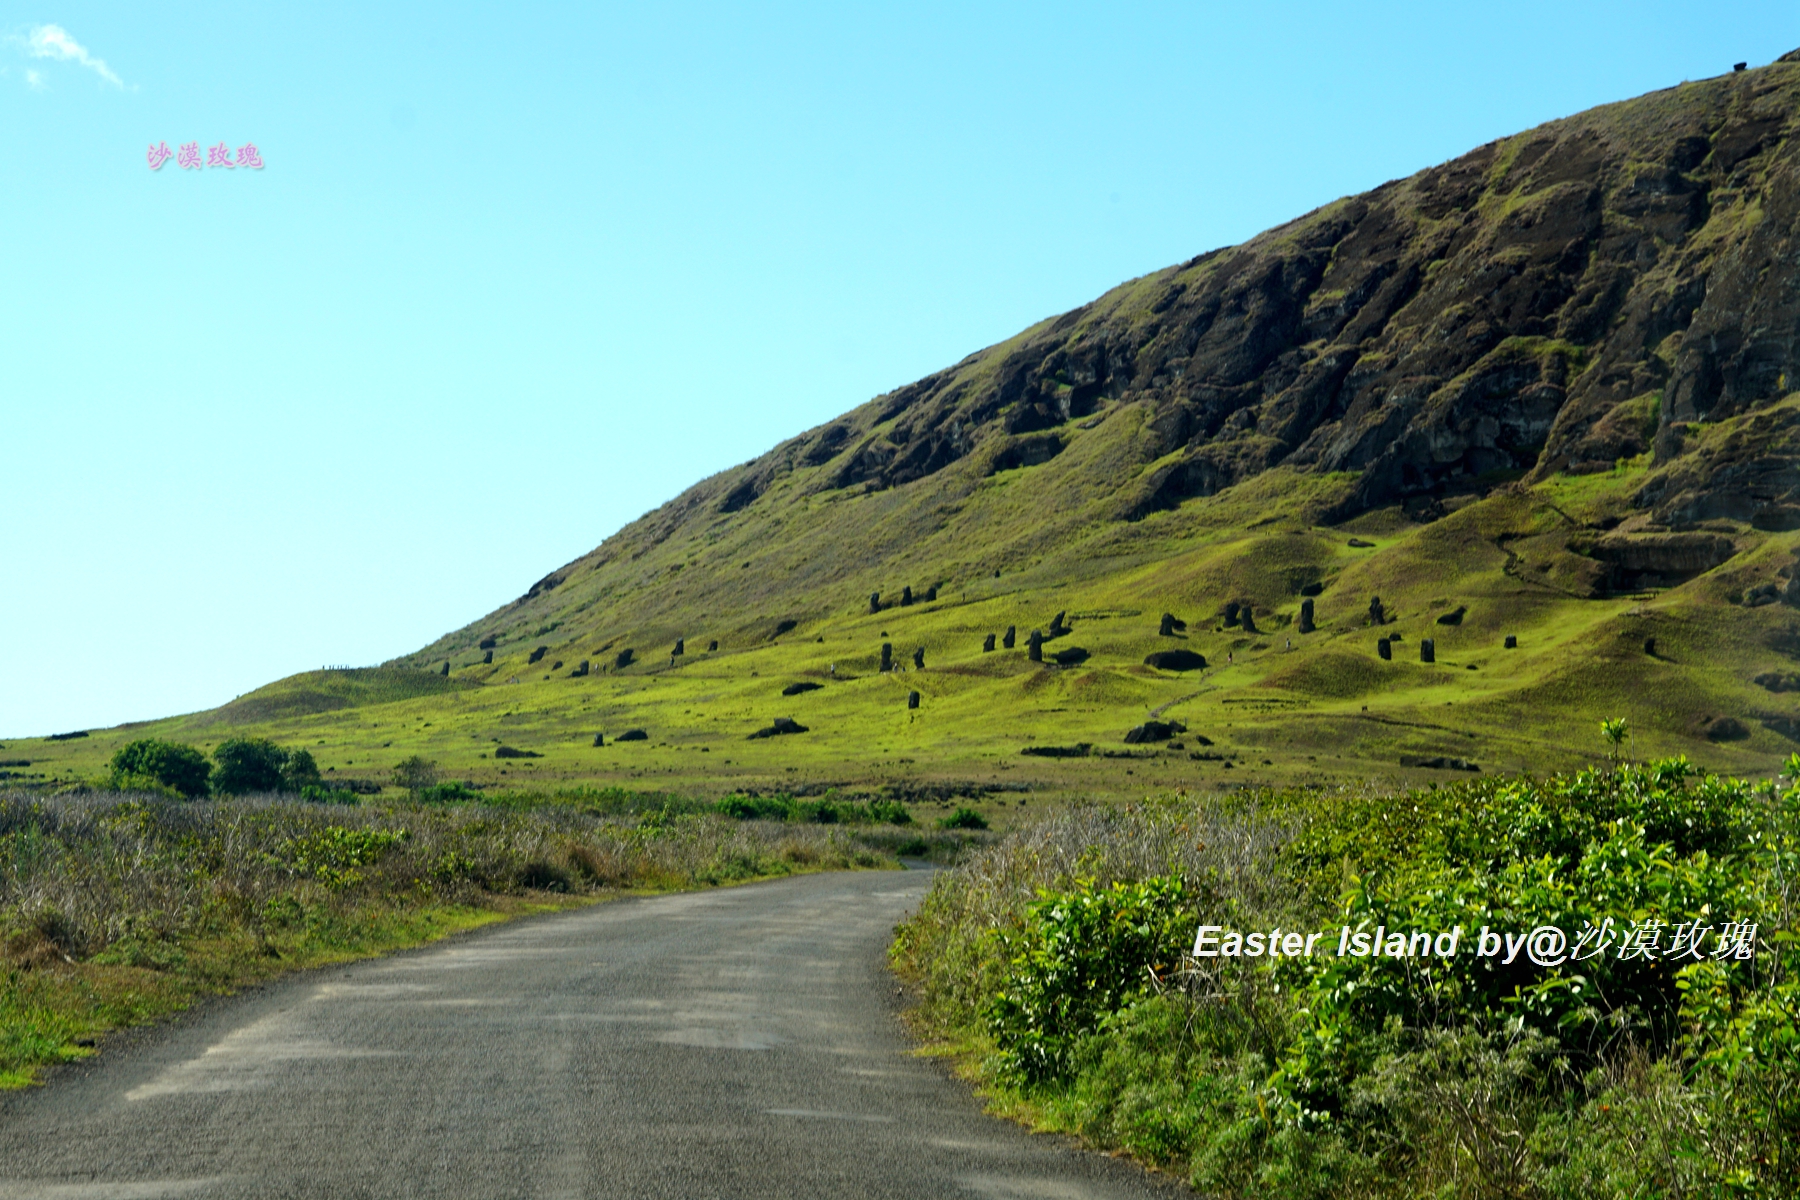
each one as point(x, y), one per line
point(1548, 391)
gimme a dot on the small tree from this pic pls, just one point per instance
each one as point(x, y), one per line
point(167, 764)
point(300, 771)
point(1615, 731)
point(415, 774)
point(248, 765)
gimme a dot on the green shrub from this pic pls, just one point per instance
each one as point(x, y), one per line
point(246, 765)
point(170, 764)
point(446, 793)
point(1419, 1077)
point(964, 818)
point(1081, 957)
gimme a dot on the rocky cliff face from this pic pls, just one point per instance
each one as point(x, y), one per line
point(1552, 302)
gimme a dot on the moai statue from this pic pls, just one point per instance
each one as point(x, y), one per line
point(1247, 620)
point(874, 602)
point(680, 647)
point(446, 669)
point(1306, 616)
point(1512, 641)
point(1008, 640)
point(906, 595)
point(887, 656)
point(931, 592)
point(912, 699)
point(1034, 647)
point(1377, 615)
point(623, 659)
point(1427, 650)
point(712, 646)
point(987, 644)
point(1385, 649)
point(488, 658)
point(919, 659)
point(1650, 647)
point(1167, 628)
point(1057, 628)
point(599, 739)
point(1231, 614)
point(581, 670)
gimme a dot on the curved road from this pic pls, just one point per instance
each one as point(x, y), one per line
point(736, 1043)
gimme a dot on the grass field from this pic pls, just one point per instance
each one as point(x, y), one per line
point(1272, 707)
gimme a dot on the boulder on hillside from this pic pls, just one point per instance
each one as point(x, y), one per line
point(1778, 681)
point(1454, 617)
point(510, 752)
point(633, 735)
point(623, 659)
point(1438, 762)
point(1176, 660)
point(795, 689)
point(1726, 729)
point(537, 655)
point(1312, 589)
point(1070, 656)
point(1154, 731)
point(581, 669)
point(488, 642)
point(782, 725)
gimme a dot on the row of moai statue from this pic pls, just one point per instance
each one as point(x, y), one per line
point(1384, 646)
point(1034, 641)
point(887, 657)
point(906, 598)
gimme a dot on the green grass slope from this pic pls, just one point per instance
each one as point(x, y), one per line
point(1403, 395)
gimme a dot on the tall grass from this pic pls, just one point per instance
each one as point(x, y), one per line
point(114, 907)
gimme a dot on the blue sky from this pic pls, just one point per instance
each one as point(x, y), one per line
point(513, 275)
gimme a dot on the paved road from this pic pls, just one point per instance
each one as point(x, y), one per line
point(738, 1043)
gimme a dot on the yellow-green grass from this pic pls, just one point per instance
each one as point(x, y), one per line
point(1323, 707)
point(59, 1012)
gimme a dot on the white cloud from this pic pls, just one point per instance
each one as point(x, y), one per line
point(53, 41)
point(34, 80)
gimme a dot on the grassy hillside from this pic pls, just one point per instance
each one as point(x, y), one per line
point(1542, 391)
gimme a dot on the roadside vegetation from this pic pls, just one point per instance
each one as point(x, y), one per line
point(1056, 966)
point(117, 906)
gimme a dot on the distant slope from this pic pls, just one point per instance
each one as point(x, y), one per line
point(1604, 286)
point(1549, 391)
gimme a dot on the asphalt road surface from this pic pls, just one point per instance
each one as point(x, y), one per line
point(735, 1043)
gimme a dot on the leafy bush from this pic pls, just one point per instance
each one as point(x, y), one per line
point(964, 818)
point(243, 765)
point(446, 793)
point(1083, 954)
point(167, 764)
point(1406, 1077)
